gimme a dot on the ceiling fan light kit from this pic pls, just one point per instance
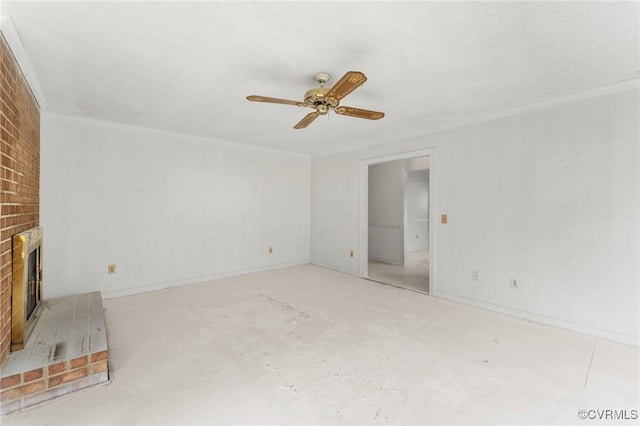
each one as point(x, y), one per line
point(323, 100)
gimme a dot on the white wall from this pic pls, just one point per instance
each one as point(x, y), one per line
point(167, 209)
point(548, 196)
point(416, 192)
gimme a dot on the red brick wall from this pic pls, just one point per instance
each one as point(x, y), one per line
point(19, 175)
point(41, 384)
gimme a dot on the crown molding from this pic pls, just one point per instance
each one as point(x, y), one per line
point(633, 83)
point(10, 34)
point(620, 86)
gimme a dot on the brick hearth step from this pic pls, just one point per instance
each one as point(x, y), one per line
point(66, 352)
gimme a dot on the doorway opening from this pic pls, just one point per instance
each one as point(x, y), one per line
point(395, 210)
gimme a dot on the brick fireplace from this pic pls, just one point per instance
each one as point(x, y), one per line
point(19, 174)
point(67, 349)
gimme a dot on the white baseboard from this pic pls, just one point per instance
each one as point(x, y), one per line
point(418, 249)
point(194, 280)
point(542, 319)
point(334, 268)
point(382, 260)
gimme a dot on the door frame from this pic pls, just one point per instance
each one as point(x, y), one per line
point(404, 175)
point(364, 208)
point(405, 218)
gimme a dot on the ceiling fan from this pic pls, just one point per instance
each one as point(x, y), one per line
point(322, 99)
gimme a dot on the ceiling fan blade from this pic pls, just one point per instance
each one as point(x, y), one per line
point(256, 98)
point(359, 113)
point(347, 84)
point(306, 120)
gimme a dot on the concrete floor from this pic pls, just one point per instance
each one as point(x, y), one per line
point(414, 275)
point(306, 345)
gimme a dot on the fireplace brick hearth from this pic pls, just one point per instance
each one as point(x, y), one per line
point(67, 352)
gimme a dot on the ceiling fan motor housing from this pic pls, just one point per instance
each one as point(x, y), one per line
point(316, 97)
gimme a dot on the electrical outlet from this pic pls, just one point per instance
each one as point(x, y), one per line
point(111, 269)
point(350, 253)
point(475, 275)
point(513, 282)
point(270, 249)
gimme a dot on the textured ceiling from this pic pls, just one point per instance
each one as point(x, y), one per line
point(188, 66)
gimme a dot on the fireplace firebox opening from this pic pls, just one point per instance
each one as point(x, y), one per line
point(27, 285)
